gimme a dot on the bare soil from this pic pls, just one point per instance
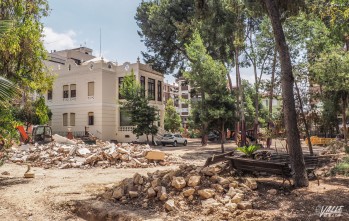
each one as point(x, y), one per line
point(72, 194)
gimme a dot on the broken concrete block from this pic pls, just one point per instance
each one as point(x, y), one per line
point(210, 203)
point(231, 206)
point(251, 183)
point(170, 205)
point(231, 192)
point(151, 192)
point(83, 151)
point(237, 198)
point(244, 205)
point(133, 194)
point(188, 192)
point(178, 182)
point(194, 181)
point(155, 155)
point(206, 193)
point(118, 193)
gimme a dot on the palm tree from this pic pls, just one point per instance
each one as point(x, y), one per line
point(7, 88)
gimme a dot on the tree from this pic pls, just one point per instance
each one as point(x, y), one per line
point(142, 114)
point(208, 78)
point(331, 71)
point(273, 9)
point(21, 49)
point(172, 118)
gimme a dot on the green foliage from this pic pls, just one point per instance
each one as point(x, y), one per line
point(341, 167)
point(142, 114)
point(249, 97)
point(36, 112)
point(215, 105)
point(172, 118)
point(248, 150)
point(21, 49)
point(7, 91)
point(8, 125)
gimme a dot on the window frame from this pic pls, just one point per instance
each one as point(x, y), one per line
point(120, 80)
point(90, 118)
point(72, 118)
point(72, 92)
point(159, 91)
point(151, 89)
point(65, 119)
point(65, 92)
point(91, 93)
point(142, 80)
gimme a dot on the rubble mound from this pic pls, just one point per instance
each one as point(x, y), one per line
point(335, 147)
point(189, 189)
point(81, 155)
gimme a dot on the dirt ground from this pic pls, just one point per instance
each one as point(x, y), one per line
point(50, 195)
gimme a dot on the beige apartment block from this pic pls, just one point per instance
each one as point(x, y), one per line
point(85, 94)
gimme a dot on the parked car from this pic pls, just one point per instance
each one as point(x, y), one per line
point(212, 136)
point(173, 139)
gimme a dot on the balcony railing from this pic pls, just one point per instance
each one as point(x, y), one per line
point(126, 128)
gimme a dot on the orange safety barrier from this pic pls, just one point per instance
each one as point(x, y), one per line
point(320, 141)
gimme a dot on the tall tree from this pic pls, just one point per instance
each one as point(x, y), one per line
point(172, 118)
point(208, 77)
point(21, 49)
point(143, 116)
point(331, 70)
point(274, 9)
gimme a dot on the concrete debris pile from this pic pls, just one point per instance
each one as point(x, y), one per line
point(81, 155)
point(190, 188)
point(335, 147)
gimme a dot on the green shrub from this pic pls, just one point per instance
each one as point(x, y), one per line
point(342, 167)
point(248, 150)
point(346, 148)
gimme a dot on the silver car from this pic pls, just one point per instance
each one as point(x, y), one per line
point(173, 139)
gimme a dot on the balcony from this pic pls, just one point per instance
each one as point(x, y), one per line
point(126, 128)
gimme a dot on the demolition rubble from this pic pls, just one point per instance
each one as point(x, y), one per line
point(187, 189)
point(77, 154)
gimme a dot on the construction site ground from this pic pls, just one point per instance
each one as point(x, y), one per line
point(53, 193)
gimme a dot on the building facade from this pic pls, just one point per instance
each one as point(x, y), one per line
point(184, 101)
point(85, 94)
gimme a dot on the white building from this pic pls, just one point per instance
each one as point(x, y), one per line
point(85, 94)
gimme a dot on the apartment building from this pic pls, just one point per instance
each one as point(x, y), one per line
point(171, 91)
point(85, 94)
point(184, 101)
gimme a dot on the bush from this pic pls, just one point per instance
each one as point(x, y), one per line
point(346, 148)
point(342, 167)
point(248, 150)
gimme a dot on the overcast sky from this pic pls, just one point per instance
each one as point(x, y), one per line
point(72, 23)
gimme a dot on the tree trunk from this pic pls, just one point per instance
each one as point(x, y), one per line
point(237, 112)
point(344, 117)
point(204, 136)
point(256, 102)
point(304, 120)
point(271, 95)
point(222, 137)
point(290, 116)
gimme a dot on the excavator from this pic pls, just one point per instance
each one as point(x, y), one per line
point(40, 134)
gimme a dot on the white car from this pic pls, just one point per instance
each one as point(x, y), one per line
point(173, 139)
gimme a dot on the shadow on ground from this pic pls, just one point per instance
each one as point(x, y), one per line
point(302, 204)
point(10, 181)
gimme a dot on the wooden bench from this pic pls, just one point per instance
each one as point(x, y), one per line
point(216, 158)
point(245, 164)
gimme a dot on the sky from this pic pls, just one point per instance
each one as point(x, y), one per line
point(74, 23)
